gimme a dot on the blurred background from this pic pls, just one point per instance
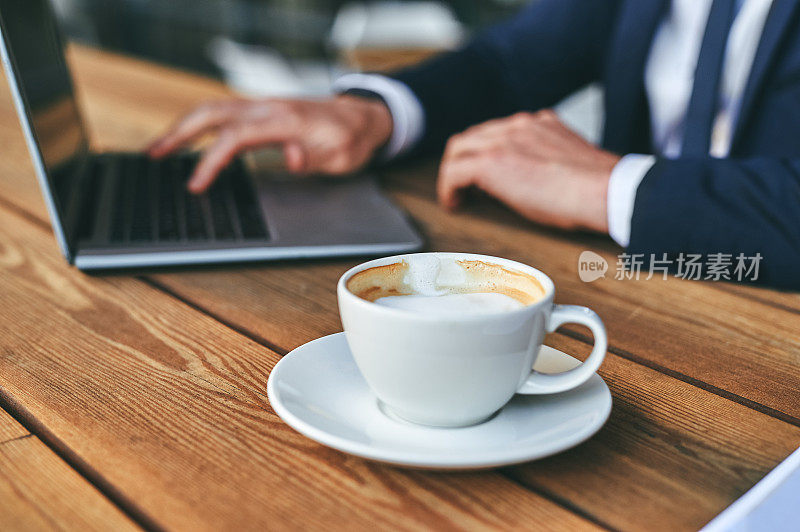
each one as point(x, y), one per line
point(293, 47)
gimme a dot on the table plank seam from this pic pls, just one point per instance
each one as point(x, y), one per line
point(561, 501)
point(78, 464)
point(27, 215)
point(725, 394)
point(257, 338)
point(16, 438)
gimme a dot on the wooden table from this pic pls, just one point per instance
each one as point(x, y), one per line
point(139, 400)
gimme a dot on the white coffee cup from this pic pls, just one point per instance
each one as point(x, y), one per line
point(452, 371)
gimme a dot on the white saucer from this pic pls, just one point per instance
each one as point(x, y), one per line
point(318, 390)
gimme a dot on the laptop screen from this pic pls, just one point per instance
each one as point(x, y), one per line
point(36, 54)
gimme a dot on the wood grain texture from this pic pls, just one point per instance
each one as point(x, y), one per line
point(672, 455)
point(10, 429)
point(169, 407)
point(39, 491)
point(785, 300)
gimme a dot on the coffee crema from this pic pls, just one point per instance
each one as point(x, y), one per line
point(437, 285)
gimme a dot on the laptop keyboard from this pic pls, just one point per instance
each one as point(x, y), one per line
point(151, 203)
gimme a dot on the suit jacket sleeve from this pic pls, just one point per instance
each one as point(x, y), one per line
point(547, 51)
point(731, 206)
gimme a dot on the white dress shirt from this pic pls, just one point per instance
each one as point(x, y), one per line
point(669, 78)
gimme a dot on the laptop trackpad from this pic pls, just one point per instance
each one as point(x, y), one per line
point(330, 211)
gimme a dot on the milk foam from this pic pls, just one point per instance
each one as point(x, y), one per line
point(429, 275)
point(452, 304)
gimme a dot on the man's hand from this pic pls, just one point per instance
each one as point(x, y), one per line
point(334, 136)
point(534, 164)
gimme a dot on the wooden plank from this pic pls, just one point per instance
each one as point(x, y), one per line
point(10, 429)
point(169, 407)
point(39, 491)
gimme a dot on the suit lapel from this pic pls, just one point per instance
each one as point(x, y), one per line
point(780, 15)
point(627, 119)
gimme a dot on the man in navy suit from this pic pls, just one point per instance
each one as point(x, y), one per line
point(701, 144)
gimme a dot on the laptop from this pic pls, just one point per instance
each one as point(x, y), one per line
point(124, 210)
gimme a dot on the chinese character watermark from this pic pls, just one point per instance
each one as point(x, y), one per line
point(629, 266)
point(690, 266)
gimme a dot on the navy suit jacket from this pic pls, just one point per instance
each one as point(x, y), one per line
point(748, 203)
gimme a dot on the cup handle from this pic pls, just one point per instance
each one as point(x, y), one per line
point(542, 383)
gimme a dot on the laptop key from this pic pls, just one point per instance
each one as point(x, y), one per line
point(121, 201)
point(193, 210)
point(177, 177)
point(228, 211)
point(154, 178)
point(195, 225)
point(167, 220)
point(167, 208)
point(221, 217)
point(92, 199)
point(250, 219)
point(140, 224)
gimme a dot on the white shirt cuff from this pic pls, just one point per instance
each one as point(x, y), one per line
point(408, 117)
point(625, 179)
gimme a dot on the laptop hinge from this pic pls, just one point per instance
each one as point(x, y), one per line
point(75, 202)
